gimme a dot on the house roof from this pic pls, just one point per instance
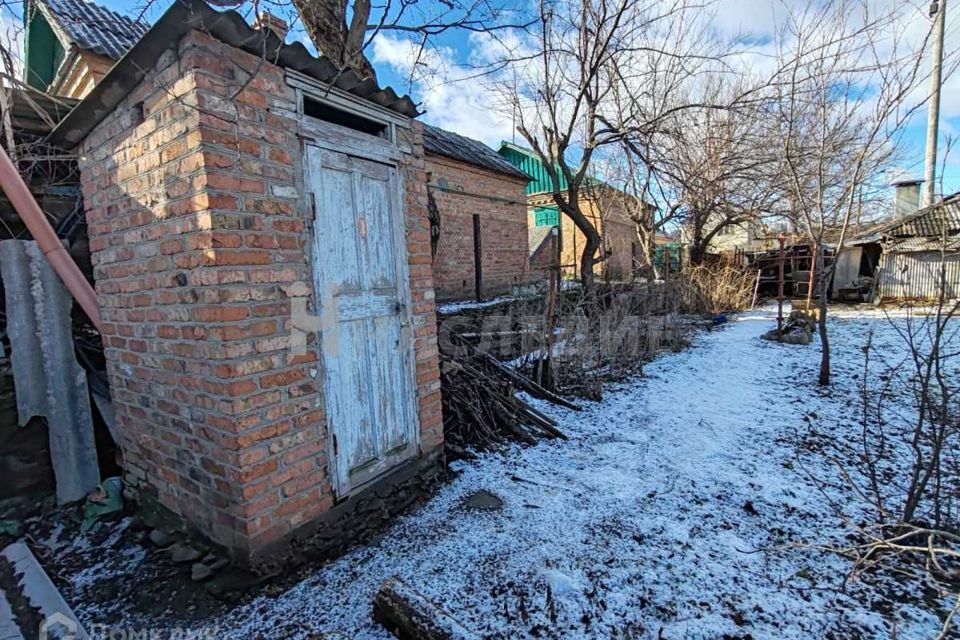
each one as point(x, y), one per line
point(93, 28)
point(453, 145)
point(933, 221)
point(908, 245)
point(529, 162)
point(541, 183)
point(230, 28)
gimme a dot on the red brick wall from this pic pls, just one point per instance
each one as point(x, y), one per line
point(457, 189)
point(199, 229)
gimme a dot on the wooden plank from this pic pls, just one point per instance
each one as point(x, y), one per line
point(409, 615)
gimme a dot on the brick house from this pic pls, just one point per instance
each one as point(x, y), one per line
point(71, 44)
point(602, 204)
point(261, 251)
point(481, 205)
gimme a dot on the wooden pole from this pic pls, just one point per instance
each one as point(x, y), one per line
point(477, 259)
point(756, 289)
point(409, 615)
point(781, 239)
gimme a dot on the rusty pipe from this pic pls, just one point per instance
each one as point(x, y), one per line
point(26, 205)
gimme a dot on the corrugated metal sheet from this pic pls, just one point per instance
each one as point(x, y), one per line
point(917, 275)
point(923, 244)
point(453, 145)
point(228, 27)
point(933, 221)
point(49, 381)
point(528, 162)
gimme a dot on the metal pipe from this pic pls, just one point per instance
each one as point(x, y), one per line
point(26, 205)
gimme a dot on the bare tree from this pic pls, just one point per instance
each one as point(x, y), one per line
point(343, 29)
point(719, 168)
point(847, 92)
point(597, 79)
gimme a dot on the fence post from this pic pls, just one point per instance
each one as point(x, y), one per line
point(477, 258)
point(781, 239)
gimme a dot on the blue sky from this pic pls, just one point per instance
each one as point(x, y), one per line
point(463, 105)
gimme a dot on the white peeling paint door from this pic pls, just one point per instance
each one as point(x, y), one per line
point(360, 260)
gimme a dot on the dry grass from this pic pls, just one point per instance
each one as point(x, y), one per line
point(712, 289)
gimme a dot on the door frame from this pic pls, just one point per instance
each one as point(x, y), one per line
point(326, 136)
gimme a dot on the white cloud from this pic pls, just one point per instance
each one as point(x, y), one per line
point(454, 98)
point(451, 94)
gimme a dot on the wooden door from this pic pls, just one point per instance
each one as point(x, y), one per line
point(362, 289)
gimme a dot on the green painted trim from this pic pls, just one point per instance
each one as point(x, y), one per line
point(43, 52)
point(528, 162)
point(548, 216)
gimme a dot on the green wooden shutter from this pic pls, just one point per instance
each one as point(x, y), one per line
point(546, 216)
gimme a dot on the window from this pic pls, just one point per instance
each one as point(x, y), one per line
point(329, 113)
point(546, 216)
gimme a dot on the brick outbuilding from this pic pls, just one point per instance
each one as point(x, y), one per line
point(261, 250)
point(480, 201)
point(606, 207)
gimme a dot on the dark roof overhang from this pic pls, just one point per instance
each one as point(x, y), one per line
point(230, 28)
point(457, 147)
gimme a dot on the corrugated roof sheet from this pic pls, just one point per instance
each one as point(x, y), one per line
point(933, 221)
point(94, 28)
point(924, 244)
point(228, 27)
point(33, 112)
point(453, 145)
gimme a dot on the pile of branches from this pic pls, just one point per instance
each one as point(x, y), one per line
point(481, 409)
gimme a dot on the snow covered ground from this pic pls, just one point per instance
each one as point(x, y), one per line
point(670, 514)
point(678, 509)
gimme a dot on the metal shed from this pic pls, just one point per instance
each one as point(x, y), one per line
point(920, 251)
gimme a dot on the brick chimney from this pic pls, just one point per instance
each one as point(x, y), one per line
point(279, 26)
point(907, 197)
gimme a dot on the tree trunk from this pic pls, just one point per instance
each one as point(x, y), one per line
point(824, 379)
point(698, 253)
point(588, 259)
point(650, 254)
point(325, 21)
